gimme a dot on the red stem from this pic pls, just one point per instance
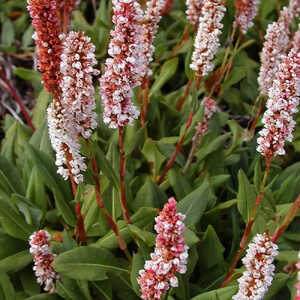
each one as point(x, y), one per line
point(247, 229)
point(287, 220)
point(184, 95)
point(176, 151)
point(146, 101)
point(17, 99)
point(122, 178)
point(110, 221)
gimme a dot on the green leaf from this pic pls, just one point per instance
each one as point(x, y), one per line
point(104, 288)
point(195, 204)
point(179, 183)
point(246, 196)
point(13, 222)
point(210, 243)
point(105, 166)
point(50, 177)
point(149, 195)
point(236, 75)
point(168, 69)
point(288, 256)
point(7, 287)
point(153, 155)
point(278, 283)
point(206, 149)
point(142, 218)
point(137, 265)
point(12, 175)
point(88, 263)
point(16, 262)
point(39, 111)
point(28, 74)
point(8, 33)
point(27, 37)
point(221, 294)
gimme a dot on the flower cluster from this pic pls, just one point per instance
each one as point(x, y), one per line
point(170, 254)
point(296, 40)
point(246, 11)
point(47, 36)
point(77, 61)
point(64, 140)
point(281, 105)
point(193, 11)
point(124, 69)
point(209, 110)
point(259, 268)
point(207, 39)
point(275, 46)
point(43, 258)
point(294, 8)
point(297, 297)
point(152, 17)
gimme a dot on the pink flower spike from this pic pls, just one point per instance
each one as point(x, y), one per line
point(275, 46)
point(209, 110)
point(170, 254)
point(246, 11)
point(152, 17)
point(207, 40)
point(125, 68)
point(258, 277)
point(281, 105)
point(193, 11)
point(43, 258)
point(78, 100)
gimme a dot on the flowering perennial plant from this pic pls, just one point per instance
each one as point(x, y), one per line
point(43, 258)
point(170, 254)
point(275, 46)
point(77, 61)
point(297, 297)
point(259, 272)
point(209, 110)
point(64, 140)
point(47, 36)
point(125, 68)
point(281, 105)
point(296, 40)
point(207, 40)
point(246, 11)
point(152, 17)
point(193, 11)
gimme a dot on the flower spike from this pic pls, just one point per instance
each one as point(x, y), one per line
point(170, 254)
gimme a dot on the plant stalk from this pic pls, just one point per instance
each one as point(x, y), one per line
point(17, 99)
point(122, 178)
point(176, 150)
point(248, 227)
point(294, 210)
point(110, 221)
point(184, 95)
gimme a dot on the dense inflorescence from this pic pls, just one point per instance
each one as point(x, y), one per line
point(64, 140)
point(151, 19)
point(259, 272)
point(77, 61)
point(47, 36)
point(43, 258)
point(275, 46)
point(209, 110)
point(124, 69)
point(281, 105)
point(207, 40)
point(296, 40)
point(246, 11)
point(193, 11)
point(170, 254)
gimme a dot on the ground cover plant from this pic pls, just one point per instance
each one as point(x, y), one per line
point(149, 149)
